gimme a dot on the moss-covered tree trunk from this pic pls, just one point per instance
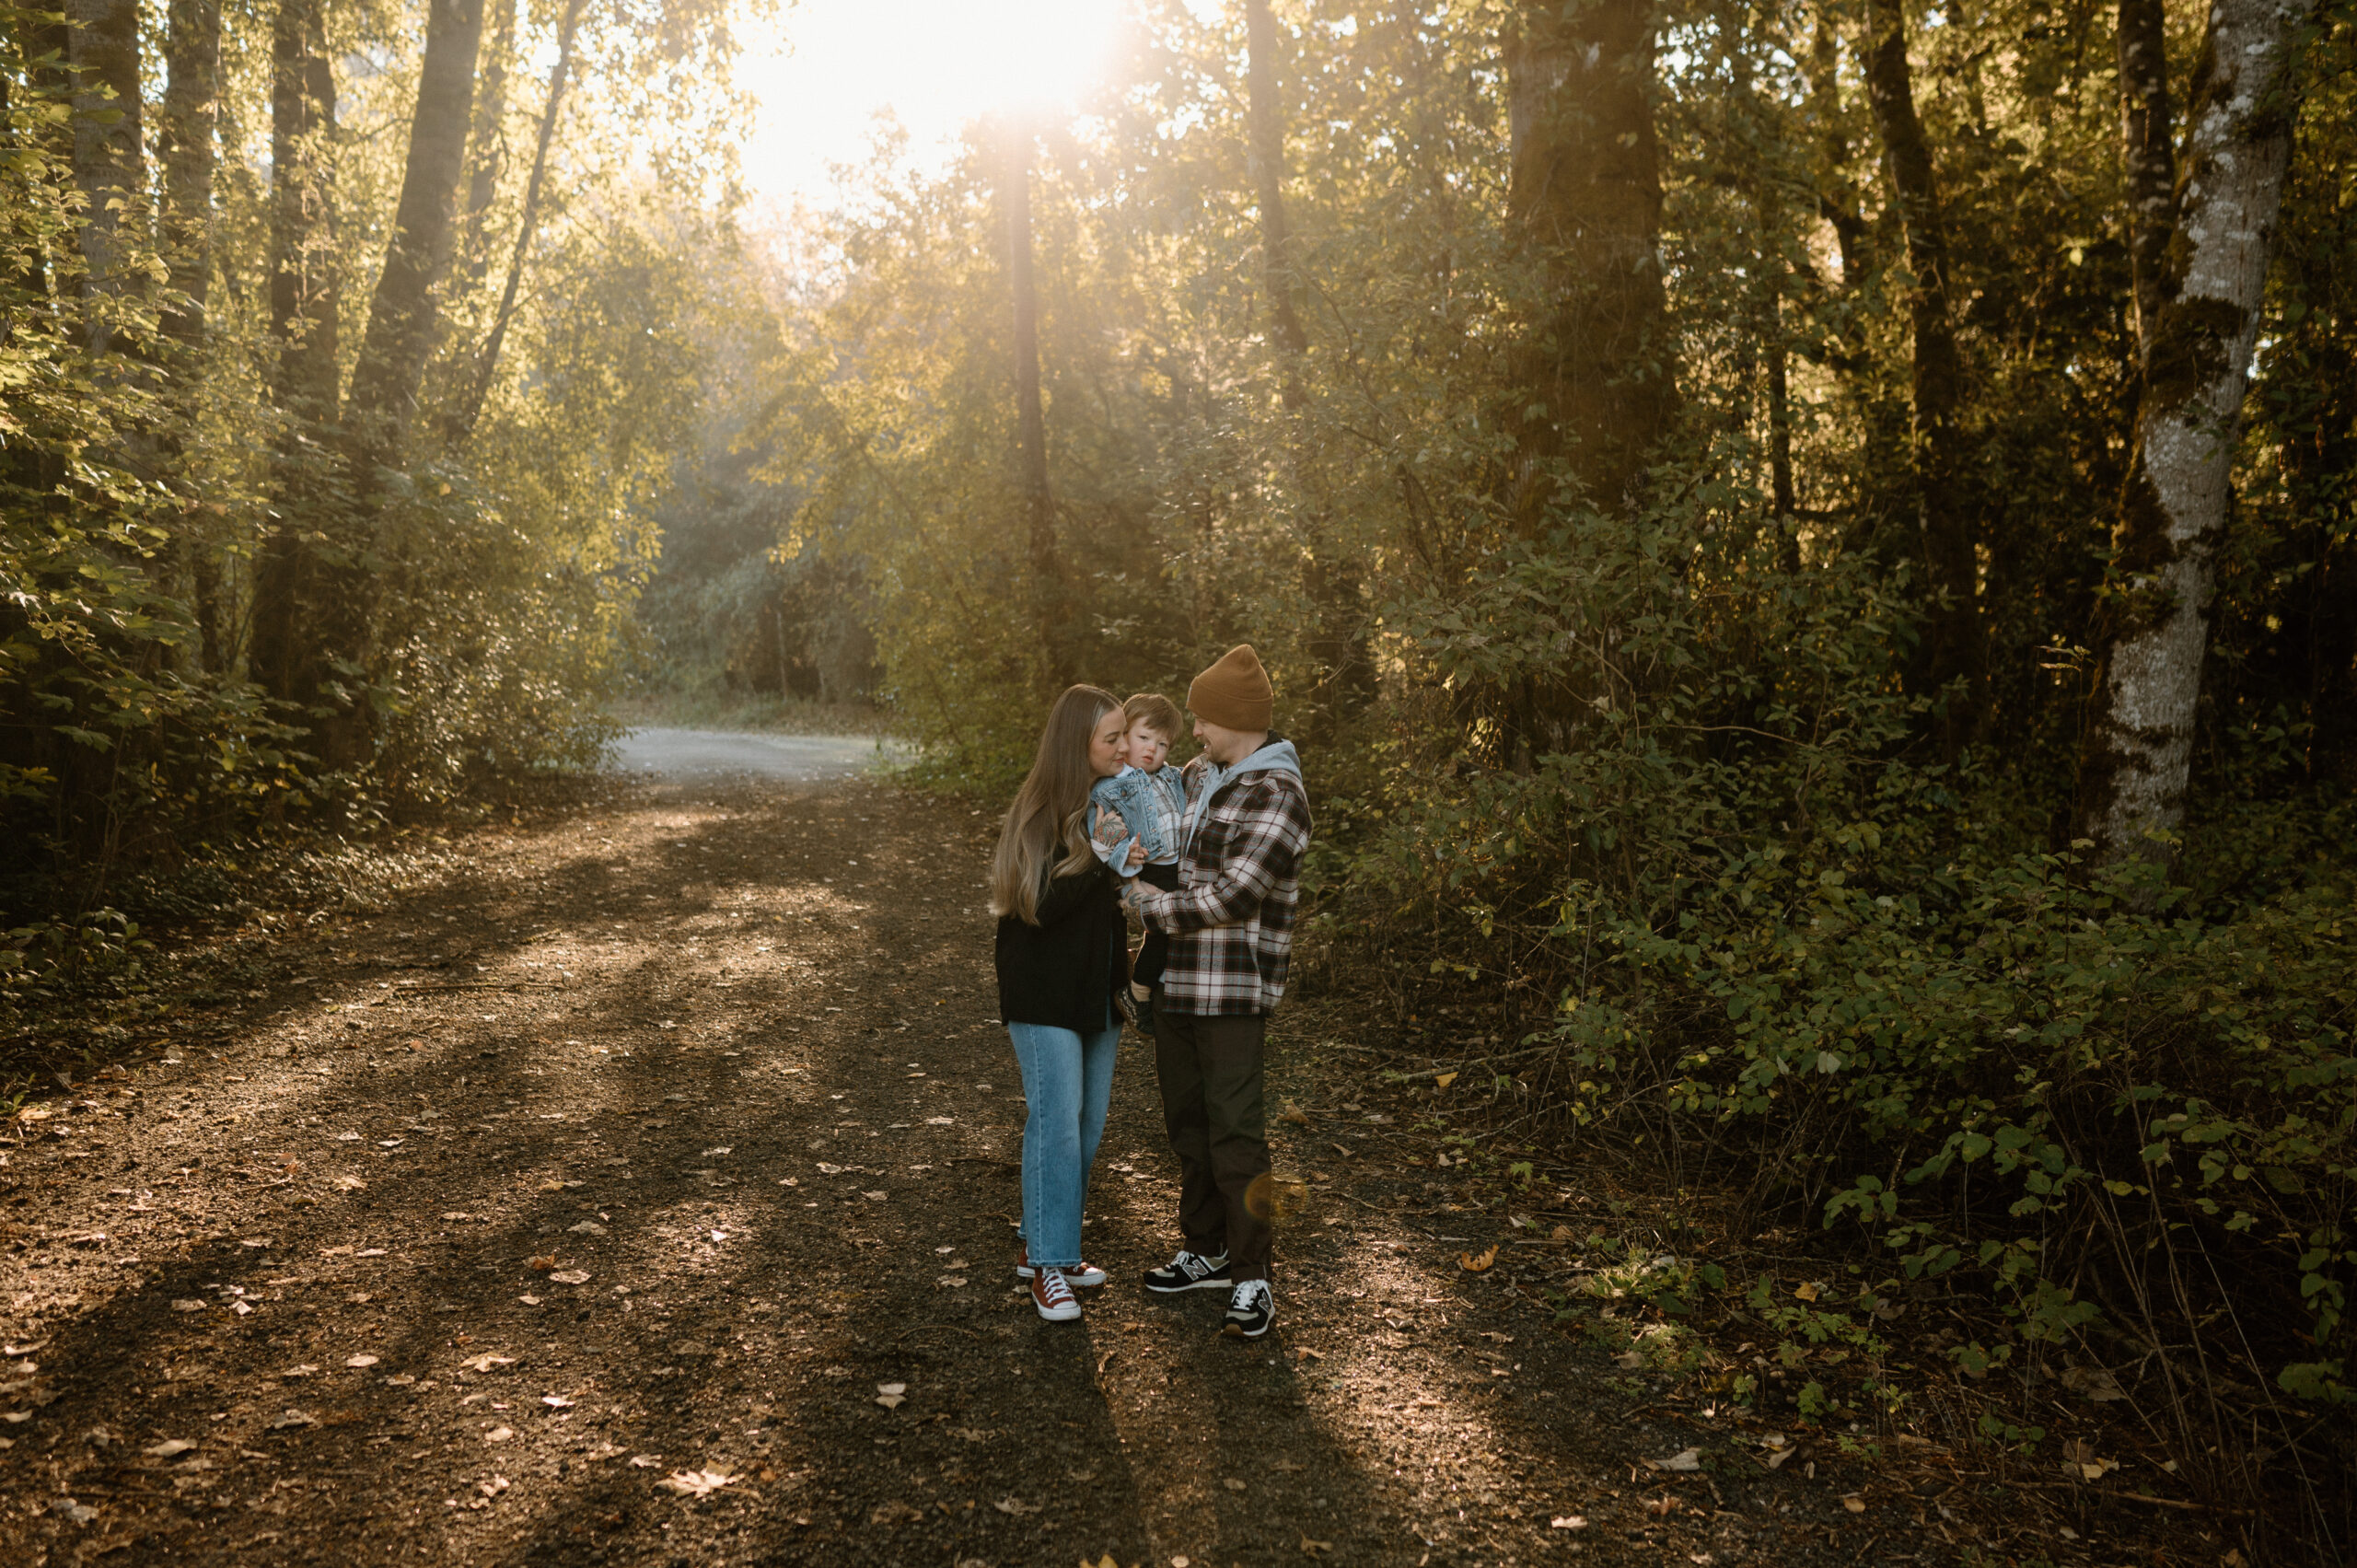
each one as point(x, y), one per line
point(2137, 753)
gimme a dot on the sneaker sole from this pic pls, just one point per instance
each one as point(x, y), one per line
point(1062, 1314)
point(1238, 1331)
point(1197, 1285)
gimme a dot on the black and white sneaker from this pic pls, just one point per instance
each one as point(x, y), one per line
point(1189, 1270)
point(1251, 1308)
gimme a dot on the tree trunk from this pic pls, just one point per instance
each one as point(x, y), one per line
point(1943, 514)
point(305, 309)
point(487, 145)
point(401, 318)
point(1594, 393)
point(1265, 144)
point(190, 112)
point(1031, 425)
point(2138, 750)
point(462, 425)
point(103, 44)
point(1836, 200)
point(2147, 156)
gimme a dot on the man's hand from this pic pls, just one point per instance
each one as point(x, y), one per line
point(1133, 896)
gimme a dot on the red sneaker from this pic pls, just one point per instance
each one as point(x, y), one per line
point(1053, 1297)
point(1084, 1275)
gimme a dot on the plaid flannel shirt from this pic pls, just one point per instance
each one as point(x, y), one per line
point(1231, 921)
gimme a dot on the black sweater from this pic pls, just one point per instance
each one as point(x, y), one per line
point(1063, 971)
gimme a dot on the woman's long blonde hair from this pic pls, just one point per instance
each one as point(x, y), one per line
point(1051, 808)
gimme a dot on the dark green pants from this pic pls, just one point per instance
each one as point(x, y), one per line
point(1209, 1071)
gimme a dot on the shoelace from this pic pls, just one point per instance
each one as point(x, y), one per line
point(1052, 1288)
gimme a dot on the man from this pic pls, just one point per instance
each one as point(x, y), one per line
point(1230, 929)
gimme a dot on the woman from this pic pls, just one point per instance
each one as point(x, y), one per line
point(1063, 957)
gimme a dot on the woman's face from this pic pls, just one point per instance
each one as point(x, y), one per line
point(1104, 744)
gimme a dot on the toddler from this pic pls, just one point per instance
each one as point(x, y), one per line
point(1143, 808)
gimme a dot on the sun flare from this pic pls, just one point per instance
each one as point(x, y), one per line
point(826, 69)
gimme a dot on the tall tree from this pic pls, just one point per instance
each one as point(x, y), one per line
point(402, 316)
point(290, 627)
point(462, 423)
point(103, 44)
point(1595, 391)
point(1944, 516)
point(190, 114)
point(1265, 156)
point(1051, 600)
point(2146, 153)
point(487, 142)
point(2139, 743)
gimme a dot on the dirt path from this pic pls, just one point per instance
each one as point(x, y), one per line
point(670, 1143)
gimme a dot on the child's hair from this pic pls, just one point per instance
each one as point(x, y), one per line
point(1155, 711)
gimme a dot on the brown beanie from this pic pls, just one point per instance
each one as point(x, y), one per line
point(1234, 693)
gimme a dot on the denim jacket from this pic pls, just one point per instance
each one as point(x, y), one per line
point(1146, 806)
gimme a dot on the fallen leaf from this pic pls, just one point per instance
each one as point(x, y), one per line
point(892, 1513)
point(360, 1361)
point(570, 1277)
point(31, 1345)
point(1684, 1460)
point(875, 1197)
point(1016, 1506)
point(1473, 1265)
point(1445, 1079)
point(825, 1169)
point(499, 1434)
point(891, 1396)
point(543, 1263)
point(952, 1281)
point(1233, 1484)
point(1777, 1457)
point(493, 1487)
point(530, 1300)
point(294, 1418)
point(1661, 1506)
point(1560, 1233)
point(1807, 1290)
point(488, 1362)
point(1568, 1522)
point(1629, 1359)
point(80, 1513)
point(303, 1371)
point(586, 1227)
point(456, 1214)
point(1294, 1115)
point(1855, 1504)
point(1316, 1548)
point(168, 1448)
point(556, 1402)
point(695, 1484)
point(646, 1461)
point(188, 1305)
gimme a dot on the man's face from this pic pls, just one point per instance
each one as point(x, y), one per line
point(1224, 746)
point(1146, 747)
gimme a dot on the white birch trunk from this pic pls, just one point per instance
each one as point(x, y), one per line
point(2197, 364)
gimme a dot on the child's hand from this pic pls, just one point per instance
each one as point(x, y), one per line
point(1137, 855)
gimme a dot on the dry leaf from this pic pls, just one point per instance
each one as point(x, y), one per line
point(303, 1371)
point(1855, 1504)
point(26, 1349)
point(1316, 1548)
point(1630, 1359)
point(493, 1487)
point(1568, 1522)
point(1807, 1290)
point(543, 1263)
point(488, 1362)
point(586, 1227)
point(1233, 1484)
point(952, 1281)
point(892, 1513)
point(556, 1402)
point(570, 1277)
point(2093, 1382)
point(499, 1434)
point(1445, 1079)
point(891, 1396)
point(1472, 1265)
point(646, 1461)
point(188, 1305)
point(168, 1448)
point(1014, 1507)
point(695, 1484)
point(360, 1361)
point(294, 1418)
point(1684, 1460)
point(1294, 1115)
point(1661, 1506)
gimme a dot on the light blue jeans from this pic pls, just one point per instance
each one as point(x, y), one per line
point(1067, 1084)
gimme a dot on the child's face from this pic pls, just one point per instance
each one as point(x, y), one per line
point(1144, 747)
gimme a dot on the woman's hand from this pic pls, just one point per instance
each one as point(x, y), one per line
point(1137, 855)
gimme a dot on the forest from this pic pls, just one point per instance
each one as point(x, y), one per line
point(1809, 548)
